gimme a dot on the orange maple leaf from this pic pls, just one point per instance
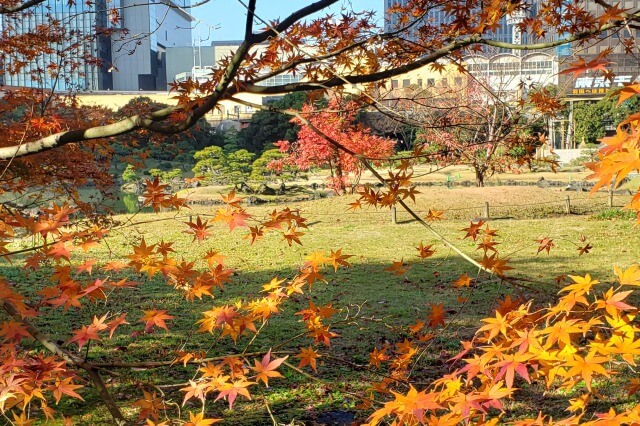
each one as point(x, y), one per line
point(436, 317)
point(627, 91)
point(599, 63)
point(434, 215)
point(266, 368)
point(338, 259)
point(425, 251)
point(473, 230)
point(308, 357)
point(586, 367)
point(463, 280)
point(155, 318)
point(199, 229)
point(398, 268)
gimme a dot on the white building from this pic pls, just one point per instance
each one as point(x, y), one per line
point(509, 74)
point(139, 53)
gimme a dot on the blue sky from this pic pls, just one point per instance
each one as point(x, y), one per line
point(224, 19)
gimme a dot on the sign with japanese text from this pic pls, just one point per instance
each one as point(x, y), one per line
point(598, 85)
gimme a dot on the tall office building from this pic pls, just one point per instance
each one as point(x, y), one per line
point(508, 31)
point(96, 54)
point(65, 66)
point(139, 54)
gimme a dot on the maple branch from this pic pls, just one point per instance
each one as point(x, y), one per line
point(19, 7)
point(292, 19)
point(153, 121)
point(156, 121)
point(198, 361)
point(251, 11)
point(106, 396)
point(44, 340)
point(69, 358)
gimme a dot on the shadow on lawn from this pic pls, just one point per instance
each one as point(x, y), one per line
point(386, 304)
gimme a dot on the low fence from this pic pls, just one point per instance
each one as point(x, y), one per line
point(569, 204)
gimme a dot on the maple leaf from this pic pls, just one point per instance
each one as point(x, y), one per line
point(599, 63)
point(508, 305)
point(231, 199)
point(633, 386)
point(338, 259)
point(199, 420)
point(545, 243)
point(327, 311)
point(154, 194)
point(627, 91)
point(436, 317)
point(495, 326)
point(512, 364)
point(582, 284)
point(630, 276)
point(274, 284)
point(315, 259)
point(59, 250)
point(195, 390)
point(22, 419)
point(292, 235)
point(266, 368)
point(495, 264)
point(579, 403)
point(613, 302)
point(377, 356)
point(612, 13)
point(425, 251)
point(65, 386)
point(155, 318)
point(113, 324)
point(412, 404)
point(433, 215)
point(86, 266)
point(84, 335)
point(199, 229)
point(584, 249)
point(586, 367)
point(230, 391)
point(398, 268)
point(463, 280)
point(473, 230)
point(308, 356)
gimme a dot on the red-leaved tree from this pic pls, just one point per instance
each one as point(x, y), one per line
point(313, 150)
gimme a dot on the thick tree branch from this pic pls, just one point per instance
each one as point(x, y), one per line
point(292, 19)
point(4, 10)
point(157, 122)
point(251, 11)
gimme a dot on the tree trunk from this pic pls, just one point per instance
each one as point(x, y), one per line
point(480, 177)
point(339, 176)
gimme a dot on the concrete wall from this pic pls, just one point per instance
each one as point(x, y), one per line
point(565, 156)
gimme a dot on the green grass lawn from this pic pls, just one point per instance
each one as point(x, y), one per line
point(386, 303)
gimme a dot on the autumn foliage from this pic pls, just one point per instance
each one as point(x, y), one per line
point(314, 150)
point(588, 336)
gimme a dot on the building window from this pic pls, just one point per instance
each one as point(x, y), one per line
point(444, 82)
point(431, 82)
point(406, 82)
point(419, 82)
point(394, 84)
point(458, 81)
